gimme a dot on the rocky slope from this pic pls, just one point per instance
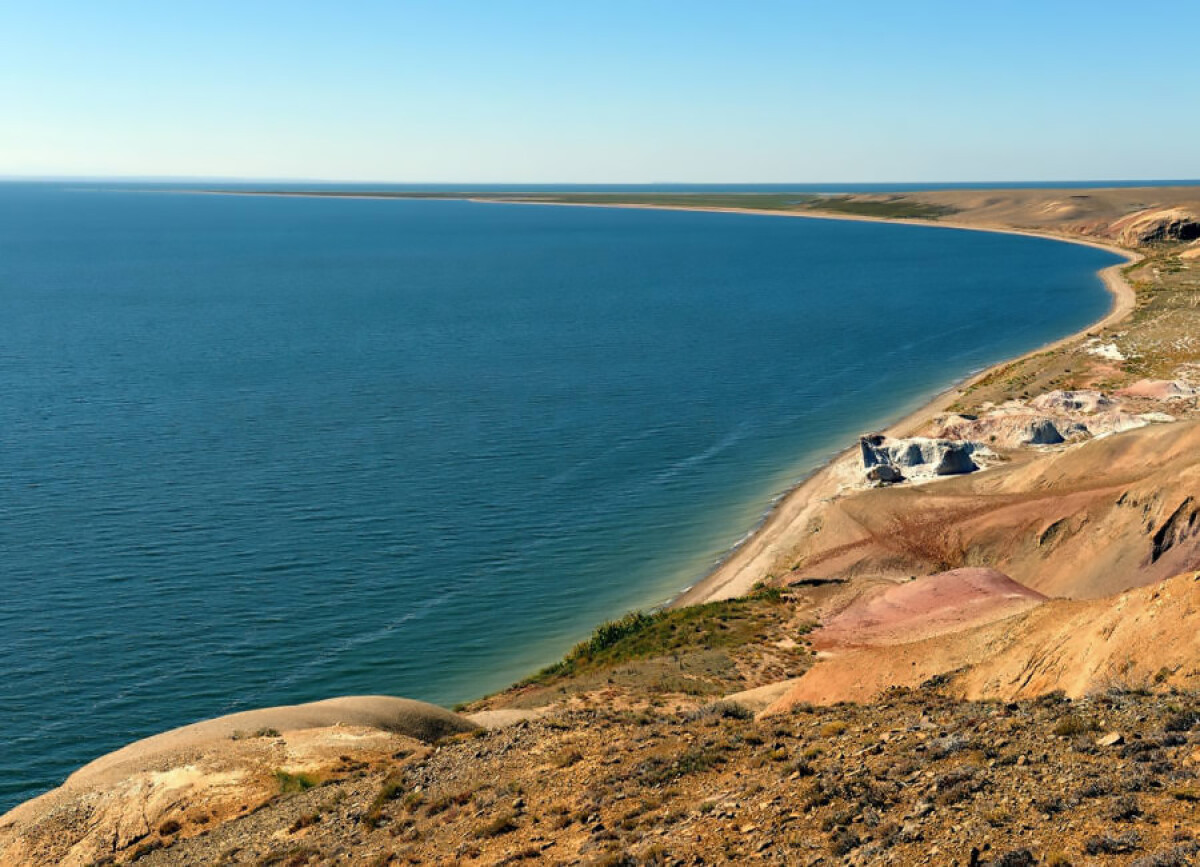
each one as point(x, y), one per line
point(630, 756)
point(917, 778)
point(201, 776)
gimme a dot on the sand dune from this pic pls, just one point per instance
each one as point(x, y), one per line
point(414, 719)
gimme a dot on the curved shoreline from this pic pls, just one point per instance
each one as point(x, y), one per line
point(750, 559)
point(748, 562)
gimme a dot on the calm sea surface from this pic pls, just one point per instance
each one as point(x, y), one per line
point(256, 451)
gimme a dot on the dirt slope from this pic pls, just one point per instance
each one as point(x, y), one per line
point(1081, 522)
point(1146, 636)
point(1105, 213)
point(926, 607)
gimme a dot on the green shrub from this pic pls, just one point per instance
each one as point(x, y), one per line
point(292, 783)
point(392, 788)
point(641, 635)
point(1072, 725)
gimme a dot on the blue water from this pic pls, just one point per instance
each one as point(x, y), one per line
point(256, 451)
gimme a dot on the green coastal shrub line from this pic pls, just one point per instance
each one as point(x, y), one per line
point(641, 635)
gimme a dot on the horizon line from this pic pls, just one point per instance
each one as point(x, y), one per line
point(6, 178)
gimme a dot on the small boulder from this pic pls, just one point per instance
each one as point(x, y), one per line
point(885, 473)
point(1112, 739)
point(1076, 430)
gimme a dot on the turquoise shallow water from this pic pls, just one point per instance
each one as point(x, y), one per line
point(264, 450)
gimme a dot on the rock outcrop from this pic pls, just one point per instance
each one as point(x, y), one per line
point(939, 457)
point(1043, 432)
point(1077, 521)
point(885, 473)
point(1071, 401)
point(1157, 226)
point(1012, 427)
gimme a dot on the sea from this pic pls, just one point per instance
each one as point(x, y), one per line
point(265, 450)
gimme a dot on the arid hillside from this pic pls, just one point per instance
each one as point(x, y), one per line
point(914, 779)
point(1132, 216)
point(1076, 522)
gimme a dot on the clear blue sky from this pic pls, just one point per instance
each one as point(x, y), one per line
point(601, 90)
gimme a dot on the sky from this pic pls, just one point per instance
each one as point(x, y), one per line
point(600, 91)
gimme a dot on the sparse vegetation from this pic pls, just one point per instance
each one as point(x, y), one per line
point(391, 789)
point(881, 207)
point(721, 710)
point(641, 635)
point(291, 783)
point(1072, 725)
point(445, 802)
point(889, 207)
point(833, 729)
point(305, 820)
point(1108, 844)
point(567, 758)
point(503, 824)
point(239, 735)
point(916, 770)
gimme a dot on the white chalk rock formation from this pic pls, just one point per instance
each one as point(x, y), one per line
point(939, 457)
point(1071, 401)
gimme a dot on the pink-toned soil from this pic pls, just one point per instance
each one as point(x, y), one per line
point(923, 607)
